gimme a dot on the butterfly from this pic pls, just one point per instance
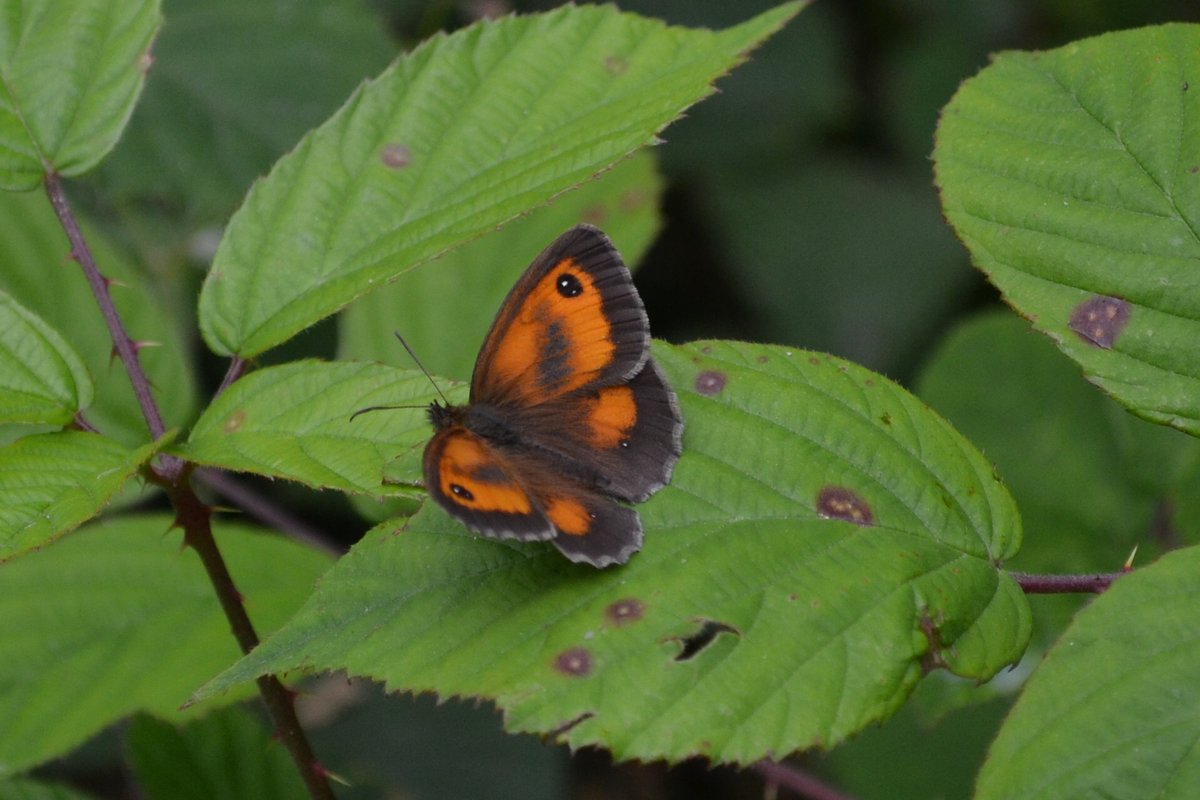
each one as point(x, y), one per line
point(569, 418)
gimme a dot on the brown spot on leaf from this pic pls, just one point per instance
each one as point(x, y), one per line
point(632, 199)
point(885, 418)
point(595, 214)
point(395, 155)
point(234, 421)
point(616, 65)
point(933, 656)
point(816, 362)
point(1100, 319)
point(625, 611)
point(574, 661)
point(838, 502)
point(710, 382)
point(762, 359)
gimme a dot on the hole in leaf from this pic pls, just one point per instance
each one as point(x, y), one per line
point(709, 631)
point(566, 727)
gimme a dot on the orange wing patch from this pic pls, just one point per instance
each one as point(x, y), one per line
point(470, 476)
point(610, 416)
point(560, 334)
point(569, 515)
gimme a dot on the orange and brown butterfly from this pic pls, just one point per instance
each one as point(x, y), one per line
point(569, 418)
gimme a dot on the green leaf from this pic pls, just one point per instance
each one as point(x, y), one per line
point(228, 754)
point(70, 74)
point(22, 789)
point(440, 309)
point(294, 421)
point(465, 133)
point(1092, 480)
point(1071, 177)
point(50, 483)
point(199, 136)
point(820, 626)
point(117, 618)
point(38, 274)
point(42, 379)
point(1114, 710)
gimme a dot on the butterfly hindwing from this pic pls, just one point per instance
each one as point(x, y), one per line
point(481, 486)
point(623, 439)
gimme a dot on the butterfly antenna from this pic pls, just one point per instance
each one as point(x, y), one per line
point(417, 361)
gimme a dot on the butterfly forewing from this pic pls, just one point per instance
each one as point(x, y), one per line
point(578, 323)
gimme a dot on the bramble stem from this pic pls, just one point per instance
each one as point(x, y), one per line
point(126, 350)
point(1065, 584)
point(174, 475)
point(798, 781)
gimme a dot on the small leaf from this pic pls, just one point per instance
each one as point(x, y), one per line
point(1114, 709)
point(118, 618)
point(42, 379)
point(70, 74)
point(38, 273)
point(228, 754)
point(52, 482)
point(294, 421)
point(465, 133)
point(825, 539)
point(1073, 176)
point(440, 309)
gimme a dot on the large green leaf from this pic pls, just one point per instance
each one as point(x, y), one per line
point(1071, 177)
point(1114, 710)
point(42, 379)
point(228, 754)
point(1092, 480)
point(50, 483)
point(443, 310)
point(117, 618)
point(758, 619)
point(465, 133)
point(69, 76)
point(294, 421)
point(223, 101)
point(36, 271)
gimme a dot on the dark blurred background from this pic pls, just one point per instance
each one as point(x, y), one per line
point(799, 209)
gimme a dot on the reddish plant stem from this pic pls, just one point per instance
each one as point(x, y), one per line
point(798, 781)
point(1064, 584)
point(126, 349)
point(195, 519)
point(237, 365)
point(191, 514)
point(257, 506)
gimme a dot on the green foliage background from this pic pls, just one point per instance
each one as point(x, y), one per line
point(798, 208)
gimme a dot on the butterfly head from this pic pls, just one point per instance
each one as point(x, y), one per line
point(443, 415)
